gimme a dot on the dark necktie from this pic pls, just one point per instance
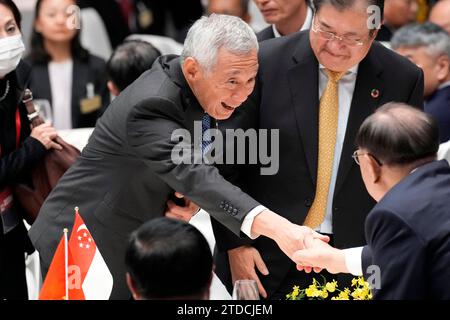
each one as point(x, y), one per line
point(206, 141)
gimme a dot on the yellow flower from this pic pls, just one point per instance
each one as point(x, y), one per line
point(361, 281)
point(343, 295)
point(328, 290)
point(331, 286)
point(313, 292)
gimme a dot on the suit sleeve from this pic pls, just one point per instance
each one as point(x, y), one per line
point(151, 137)
point(398, 257)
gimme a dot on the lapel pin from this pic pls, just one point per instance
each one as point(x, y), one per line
point(375, 93)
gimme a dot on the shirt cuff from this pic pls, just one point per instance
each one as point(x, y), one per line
point(246, 226)
point(353, 260)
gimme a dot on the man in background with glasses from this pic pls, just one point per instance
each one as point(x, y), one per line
point(316, 87)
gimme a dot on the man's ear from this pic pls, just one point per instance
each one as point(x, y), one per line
point(373, 168)
point(132, 286)
point(443, 64)
point(191, 69)
point(113, 88)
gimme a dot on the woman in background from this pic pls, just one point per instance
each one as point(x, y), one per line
point(63, 72)
point(20, 148)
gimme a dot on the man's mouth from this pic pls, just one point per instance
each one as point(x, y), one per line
point(227, 106)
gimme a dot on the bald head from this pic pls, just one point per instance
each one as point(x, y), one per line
point(440, 14)
point(398, 134)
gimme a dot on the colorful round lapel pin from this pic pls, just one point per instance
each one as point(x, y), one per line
point(375, 93)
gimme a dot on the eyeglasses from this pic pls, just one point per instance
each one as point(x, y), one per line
point(351, 42)
point(355, 156)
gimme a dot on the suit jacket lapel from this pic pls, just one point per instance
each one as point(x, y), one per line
point(80, 78)
point(303, 81)
point(363, 104)
point(42, 83)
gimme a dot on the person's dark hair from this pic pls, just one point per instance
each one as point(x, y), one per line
point(398, 134)
point(15, 11)
point(38, 54)
point(244, 6)
point(129, 61)
point(347, 4)
point(169, 259)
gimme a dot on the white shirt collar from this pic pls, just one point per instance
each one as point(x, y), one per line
point(352, 70)
point(445, 84)
point(306, 25)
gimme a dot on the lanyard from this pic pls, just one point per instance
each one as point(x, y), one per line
point(18, 129)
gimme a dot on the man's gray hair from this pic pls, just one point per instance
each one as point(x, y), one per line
point(209, 34)
point(433, 38)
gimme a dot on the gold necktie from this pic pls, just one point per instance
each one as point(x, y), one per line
point(328, 123)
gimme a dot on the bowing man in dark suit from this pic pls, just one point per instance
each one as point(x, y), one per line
point(131, 165)
point(407, 255)
point(317, 183)
point(284, 16)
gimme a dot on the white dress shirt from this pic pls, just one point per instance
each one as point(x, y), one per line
point(346, 89)
point(61, 86)
point(306, 25)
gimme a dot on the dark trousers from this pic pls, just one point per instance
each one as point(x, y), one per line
point(13, 245)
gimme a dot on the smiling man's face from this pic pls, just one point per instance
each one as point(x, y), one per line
point(227, 85)
point(350, 23)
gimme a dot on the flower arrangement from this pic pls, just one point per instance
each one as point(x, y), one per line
point(329, 290)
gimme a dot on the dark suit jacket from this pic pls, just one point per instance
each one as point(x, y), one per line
point(408, 236)
point(438, 105)
point(92, 71)
point(287, 99)
point(384, 34)
point(265, 34)
point(125, 174)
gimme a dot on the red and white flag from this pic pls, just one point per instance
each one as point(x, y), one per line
point(82, 274)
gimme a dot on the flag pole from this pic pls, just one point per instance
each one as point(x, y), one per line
point(66, 264)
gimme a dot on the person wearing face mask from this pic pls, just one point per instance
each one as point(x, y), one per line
point(20, 148)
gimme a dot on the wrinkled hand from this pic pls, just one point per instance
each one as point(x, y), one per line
point(45, 133)
point(289, 237)
point(320, 255)
point(243, 261)
point(184, 213)
point(295, 237)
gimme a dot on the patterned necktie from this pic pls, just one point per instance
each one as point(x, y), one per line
point(328, 123)
point(206, 141)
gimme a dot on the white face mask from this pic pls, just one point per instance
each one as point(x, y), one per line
point(11, 51)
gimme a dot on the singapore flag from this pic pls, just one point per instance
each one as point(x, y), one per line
point(85, 276)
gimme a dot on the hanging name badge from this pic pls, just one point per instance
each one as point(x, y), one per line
point(92, 102)
point(145, 16)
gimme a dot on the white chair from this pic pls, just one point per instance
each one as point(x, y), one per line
point(94, 36)
point(165, 45)
point(202, 222)
point(33, 272)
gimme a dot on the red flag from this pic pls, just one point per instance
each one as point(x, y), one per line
point(88, 277)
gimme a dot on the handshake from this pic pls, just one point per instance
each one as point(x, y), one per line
point(307, 248)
